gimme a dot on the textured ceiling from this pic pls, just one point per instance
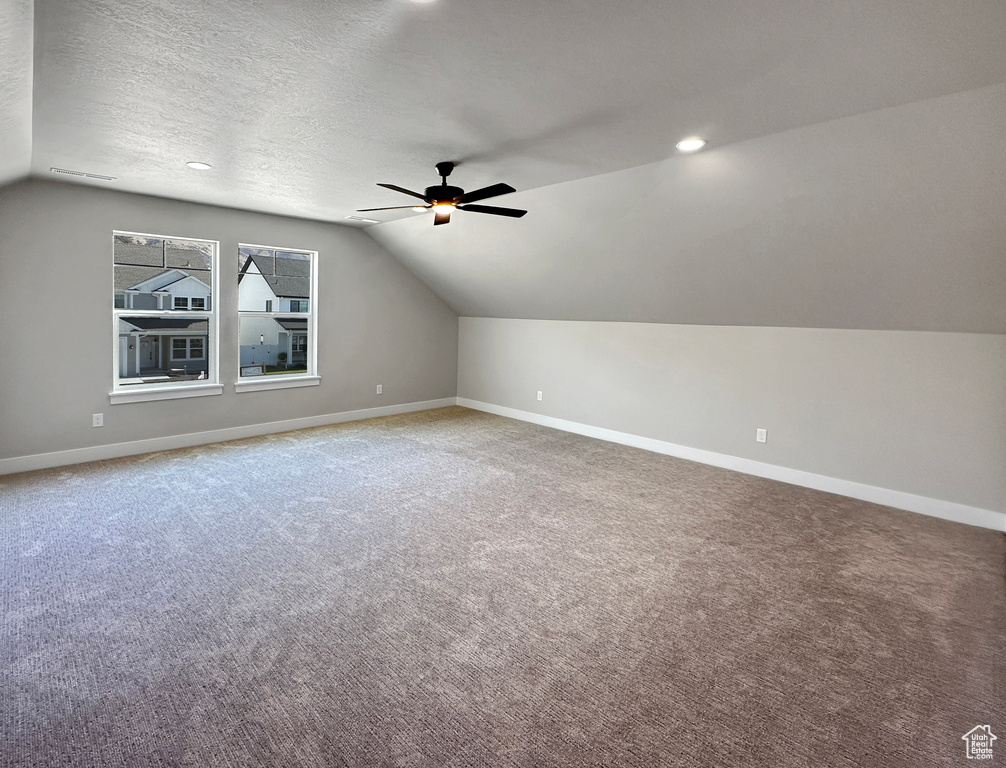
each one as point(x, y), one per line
point(15, 88)
point(302, 105)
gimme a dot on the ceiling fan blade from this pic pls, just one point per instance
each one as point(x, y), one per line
point(482, 194)
point(403, 190)
point(514, 212)
point(392, 208)
point(441, 218)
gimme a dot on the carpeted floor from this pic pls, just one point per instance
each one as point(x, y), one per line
point(452, 588)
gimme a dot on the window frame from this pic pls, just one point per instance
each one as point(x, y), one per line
point(210, 385)
point(283, 381)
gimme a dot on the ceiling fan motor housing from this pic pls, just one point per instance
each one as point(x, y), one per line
point(443, 193)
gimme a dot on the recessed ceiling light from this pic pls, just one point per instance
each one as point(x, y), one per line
point(197, 166)
point(691, 145)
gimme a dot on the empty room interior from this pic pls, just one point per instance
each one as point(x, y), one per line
point(440, 383)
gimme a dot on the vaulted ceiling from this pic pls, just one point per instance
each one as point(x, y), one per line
point(853, 177)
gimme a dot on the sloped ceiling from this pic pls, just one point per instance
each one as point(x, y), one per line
point(850, 180)
point(891, 220)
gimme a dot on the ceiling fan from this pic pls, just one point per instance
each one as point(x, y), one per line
point(444, 199)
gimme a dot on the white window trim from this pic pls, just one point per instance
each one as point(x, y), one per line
point(174, 392)
point(211, 385)
point(278, 381)
point(275, 381)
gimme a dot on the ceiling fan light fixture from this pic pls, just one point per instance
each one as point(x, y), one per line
point(443, 207)
point(691, 144)
point(421, 208)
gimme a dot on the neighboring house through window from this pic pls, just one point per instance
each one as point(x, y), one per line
point(278, 343)
point(164, 317)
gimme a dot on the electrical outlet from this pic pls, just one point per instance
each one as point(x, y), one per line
point(97, 419)
point(380, 389)
point(761, 435)
point(539, 395)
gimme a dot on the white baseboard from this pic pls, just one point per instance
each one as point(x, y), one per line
point(948, 510)
point(136, 447)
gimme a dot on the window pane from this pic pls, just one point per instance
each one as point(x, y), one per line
point(293, 264)
point(156, 287)
point(198, 302)
point(255, 276)
point(273, 345)
point(188, 255)
point(266, 275)
point(141, 251)
point(181, 302)
point(262, 257)
point(162, 349)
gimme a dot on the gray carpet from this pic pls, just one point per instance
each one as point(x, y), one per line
point(452, 588)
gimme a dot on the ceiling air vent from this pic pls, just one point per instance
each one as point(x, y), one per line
point(65, 172)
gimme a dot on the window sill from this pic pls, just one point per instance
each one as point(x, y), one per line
point(276, 382)
point(165, 393)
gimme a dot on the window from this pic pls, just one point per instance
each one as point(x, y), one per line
point(164, 324)
point(278, 344)
point(187, 348)
point(189, 302)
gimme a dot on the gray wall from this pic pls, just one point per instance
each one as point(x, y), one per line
point(377, 323)
point(918, 412)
